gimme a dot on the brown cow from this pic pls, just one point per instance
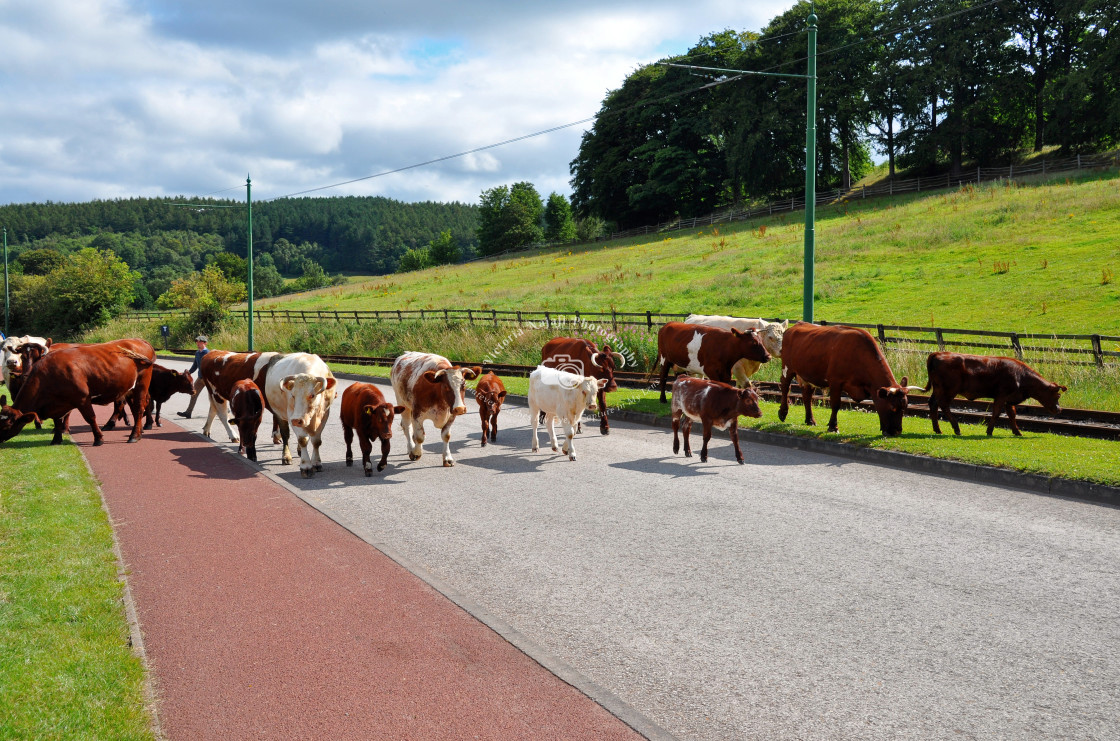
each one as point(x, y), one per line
point(583, 357)
point(165, 383)
point(365, 411)
point(430, 388)
point(708, 350)
point(489, 392)
point(247, 404)
point(221, 370)
point(1006, 381)
point(845, 360)
point(713, 404)
point(79, 377)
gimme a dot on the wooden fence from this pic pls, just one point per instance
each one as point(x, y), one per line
point(1077, 349)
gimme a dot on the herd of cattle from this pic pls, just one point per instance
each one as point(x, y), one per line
point(48, 380)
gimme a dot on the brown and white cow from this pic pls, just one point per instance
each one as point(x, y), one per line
point(489, 392)
point(561, 397)
point(712, 404)
point(708, 350)
point(1006, 381)
point(221, 370)
point(769, 333)
point(584, 358)
point(247, 405)
point(11, 360)
point(365, 412)
point(429, 387)
point(300, 389)
point(80, 377)
point(845, 360)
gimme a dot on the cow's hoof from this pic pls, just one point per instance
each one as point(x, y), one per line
point(703, 459)
point(349, 462)
point(132, 439)
point(318, 467)
point(604, 430)
point(306, 473)
point(276, 440)
point(833, 429)
point(381, 467)
point(158, 424)
point(413, 457)
point(484, 442)
point(571, 456)
point(688, 454)
point(369, 472)
point(108, 426)
point(741, 462)
point(448, 463)
point(555, 449)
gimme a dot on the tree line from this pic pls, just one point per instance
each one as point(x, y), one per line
point(977, 88)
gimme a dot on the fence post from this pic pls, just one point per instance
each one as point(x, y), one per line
point(1098, 355)
point(649, 321)
point(548, 320)
point(519, 319)
point(357, 319)
point(470, 316)
point(446, 318)
point(422, 317)
point(1017, 345)
point(494, 316)
point(940, 340)
point(614, 320)
point(882, 334)
point(400, 317)
point(1079, 162)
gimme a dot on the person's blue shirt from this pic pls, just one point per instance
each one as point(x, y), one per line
point(198, 358)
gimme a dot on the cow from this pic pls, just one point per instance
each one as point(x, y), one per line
point(246, 402)
point(769, 333)
point(81, 376)
point(708, 350)
point(11, 359)
point(165, 383)
point(845, 360)
point(429, 387)
point(489, 392)
point(712, 404)
point(221, 370)
point(300, 389)
point(365, 411)
point(563, 397)
point(1006, 381)
point(583, 357)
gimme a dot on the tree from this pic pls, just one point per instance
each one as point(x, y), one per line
point(558, 223)
point(267, 280)
point(234, 267)
point(41, 261)
point(312, 277)
point(509, 218)
point(206, 296)
point(443, 250)
point(414, 260)
point(87, 290)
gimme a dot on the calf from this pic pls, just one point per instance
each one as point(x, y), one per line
point(221, 369)
point(489, 392)
point(165, 383)
point(247, 405)
point(708, 350)
point(845, 360)
point(365, 411)
point(769, 333)
point(583, 357)
point(430, 388)
point(561, 396)
point(1006, 381)
point(712, 404)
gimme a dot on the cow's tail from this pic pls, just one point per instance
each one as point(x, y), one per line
point(140, 359)
point(653, 369)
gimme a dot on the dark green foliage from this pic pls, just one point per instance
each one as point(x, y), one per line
point(41, 262)
point(87, 290)
point(444, 250)
point(509, 218)
point(415, 260)
point(558, 223)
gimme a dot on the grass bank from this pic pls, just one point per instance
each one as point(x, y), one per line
point(66, 670)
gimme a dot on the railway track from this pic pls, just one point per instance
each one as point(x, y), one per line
point(1075, 422)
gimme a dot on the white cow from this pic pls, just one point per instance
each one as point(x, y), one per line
point(10, 359)
point(300, 389)
point(429, 387)
point(561, 396)
point(769, 333)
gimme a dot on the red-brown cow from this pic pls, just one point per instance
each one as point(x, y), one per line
point(79, 377)
point(247, 404)
point(365, 411)
point(1006, 381)
point(712, 404)
point(845, 360)
point(165, 383)
point(583, 357)
point(221, 370)
point(709, 350)
point(489, 392)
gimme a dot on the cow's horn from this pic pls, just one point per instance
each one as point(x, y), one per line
point(621, 359)
point(593, 359)
point(915, 388)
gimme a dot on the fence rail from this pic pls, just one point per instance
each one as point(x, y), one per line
point(1069, 348)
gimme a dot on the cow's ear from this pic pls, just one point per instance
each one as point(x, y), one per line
point(602, 382)
point(904, 382)
point(475, 370)
point(433, 376)
point(288, 383)
point(785, 324)
point(48, 342)
point(331, 381)
point(883, 392)
point(368, 410)
point(398, 410)
point(502, 394)
point(736, 331)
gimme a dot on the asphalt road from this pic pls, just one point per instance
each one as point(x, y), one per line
point(800, 596)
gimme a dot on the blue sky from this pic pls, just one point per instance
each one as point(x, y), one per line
point(122, 98)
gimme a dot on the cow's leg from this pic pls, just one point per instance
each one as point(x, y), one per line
point(210, 413)
point(604, 423)
point(275, 430)
point(537, 416)
point(807, 400)
point(1011, 418)
point(950, 416)
point(834, 401)
point(348, 438)
point(485, 424)
point(138, 402)
point(445, 435)
point(118, 411)
point(933, 404)
point(223, 417)
point(384, 454)
point(676, 429)
point(159, 409)
point(304, 450)
point(285, 433)
point(707, 436)
point(91, 418)
point(664, 377)
point(734, 428)
point(494, 427)
point(997, 407)
point(570, 442)
point(149, 418)
point(316, 443)
point(367, 448)
point(60, 424)
point(552, 420)
point(414, 433)
point(686, 429)
point(786, 381)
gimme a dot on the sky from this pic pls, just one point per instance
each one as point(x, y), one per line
point(103, 99)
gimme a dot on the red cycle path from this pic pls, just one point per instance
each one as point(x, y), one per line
point(263, 618)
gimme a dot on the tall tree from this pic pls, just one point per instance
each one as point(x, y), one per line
point(509, 218)
point(558, 223)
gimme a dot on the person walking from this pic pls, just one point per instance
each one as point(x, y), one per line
point(199, 384)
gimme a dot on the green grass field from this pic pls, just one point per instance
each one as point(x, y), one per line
point(1039, 256)
point(66, 670)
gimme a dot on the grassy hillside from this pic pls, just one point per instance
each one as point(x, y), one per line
point(1034, 256)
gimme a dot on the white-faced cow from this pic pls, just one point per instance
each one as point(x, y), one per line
point(584, 358)
point(221, 370)
point(845, 360)
point(489, 392)
point(247, 404)
point(300, 389)
point(708, 350)
point(12, 360)
point(365, 412)
point(562, 397)
point(429, 387)
point(769, 333)
point(714, 405)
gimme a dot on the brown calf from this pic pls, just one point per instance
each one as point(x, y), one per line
point(1006, 381)
point(489, 392)
point(708, 350)
point(365, 411)
point(165, 383)
point(713, 404)
point(246, 403)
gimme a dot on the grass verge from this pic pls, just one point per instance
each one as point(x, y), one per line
point(66, 670)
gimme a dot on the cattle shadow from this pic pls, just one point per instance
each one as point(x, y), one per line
point(676, 468)
point(506, 463)
point(337, 474)
point(210, 462)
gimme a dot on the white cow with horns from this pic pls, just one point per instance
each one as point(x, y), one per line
point(300, 389)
